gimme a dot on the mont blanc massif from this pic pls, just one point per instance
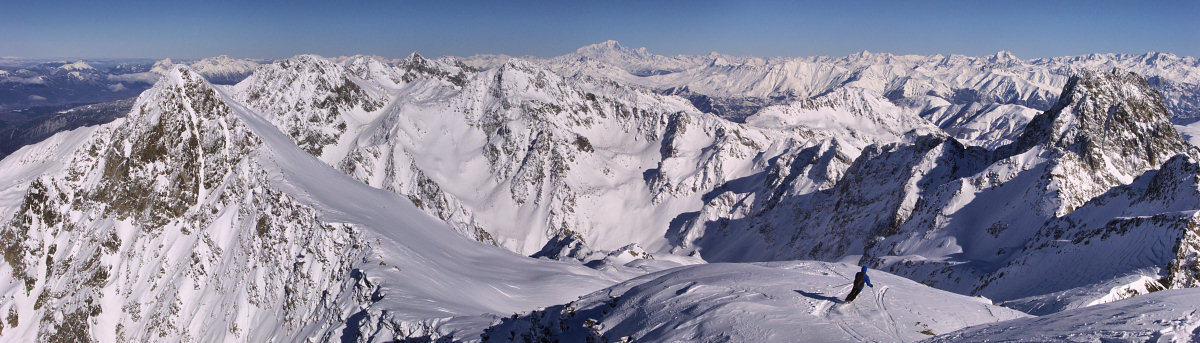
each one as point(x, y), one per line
point(615, 195)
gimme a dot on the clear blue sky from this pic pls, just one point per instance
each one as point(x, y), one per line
point(275, 29)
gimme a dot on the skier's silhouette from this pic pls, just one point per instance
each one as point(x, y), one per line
point(860, 278)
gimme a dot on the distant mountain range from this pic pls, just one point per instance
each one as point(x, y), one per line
point(41, 97)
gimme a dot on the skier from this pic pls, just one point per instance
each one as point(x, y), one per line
point(859, 279)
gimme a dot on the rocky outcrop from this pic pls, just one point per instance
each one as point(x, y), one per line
point(159, 210)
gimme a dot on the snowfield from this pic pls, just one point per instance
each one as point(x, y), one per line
point(1166, 316)
point(758, 302)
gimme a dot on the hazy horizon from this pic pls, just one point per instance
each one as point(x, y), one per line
point(276, 29)
point(151, 59)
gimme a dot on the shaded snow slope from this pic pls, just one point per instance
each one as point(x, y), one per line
point(762, 302)
point(1166, 316)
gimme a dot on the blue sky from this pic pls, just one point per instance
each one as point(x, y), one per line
point(275, 29)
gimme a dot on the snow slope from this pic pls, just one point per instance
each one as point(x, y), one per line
point(1166, 316)
point(761, 302)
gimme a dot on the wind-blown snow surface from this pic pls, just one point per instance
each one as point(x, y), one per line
point(761, 302)
point(1167, 316)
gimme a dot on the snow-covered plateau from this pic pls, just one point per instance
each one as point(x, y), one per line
point(613, 195)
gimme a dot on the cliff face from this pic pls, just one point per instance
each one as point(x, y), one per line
point(158, 210)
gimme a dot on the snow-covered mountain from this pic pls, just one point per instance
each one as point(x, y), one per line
point(523, 158)
point(218, 70)
point(366, 199)
point(1019, 223)
point(978, 99)
point(28, 90)
point(195, 219)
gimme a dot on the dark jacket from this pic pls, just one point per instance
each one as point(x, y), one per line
point(861, 277)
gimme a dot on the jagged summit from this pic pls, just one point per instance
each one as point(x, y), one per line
point(1107, 109)
point(1109, 124)
point(307, 95)
point(1003, 56)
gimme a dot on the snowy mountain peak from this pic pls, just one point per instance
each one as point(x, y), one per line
point(78, 65)
point(613, 53)
point(220, 69)
point(1004, 56)
point(313, 100)
point(609, 49)
point(1110, 125)
point(1113, 109)
point(416, 66)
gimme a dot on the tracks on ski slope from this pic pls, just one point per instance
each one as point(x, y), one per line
point(838, 317)
point(890, 327)
point(879, 302)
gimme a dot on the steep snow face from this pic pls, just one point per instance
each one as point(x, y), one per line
point(306, 96)
point(195, 219)
point(767, 302)
point(1167, 316)
point(1138, 238)
point(549, 158)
